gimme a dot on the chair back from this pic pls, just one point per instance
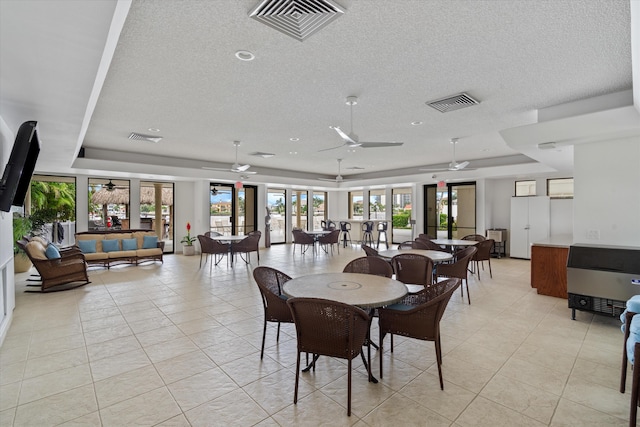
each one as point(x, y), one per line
point(460, 265)
point(345, 226)
point(330, 238)
point(211, 246)
point(270, 281)
point(369, 250)
point(412, 244)
point(301, 237)
point(423, 236)
point(369, 265)
point(249, 243)
point(474, 237)
point(428, 244)
point(413, 269)
point(212, 233)
point(483, 250)
point(367, 226)
point(383, 225)
point(329, 327)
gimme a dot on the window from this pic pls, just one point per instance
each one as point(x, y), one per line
point(109, 205)
point(149, 208)
point(52, 202)
point(561, 188)
point(401, 229)
point(356, 205)
point(319, 209)
point(377, 205)
point(299, 209)
point(525, 188)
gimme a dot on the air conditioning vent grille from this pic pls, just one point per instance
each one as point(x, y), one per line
point(143, 137)
point(296, 18)
point(452, 103)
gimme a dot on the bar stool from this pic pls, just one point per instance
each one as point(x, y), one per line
point(345, 227)
point(367, 233)
point(382, 229)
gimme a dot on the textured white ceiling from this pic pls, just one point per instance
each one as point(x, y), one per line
point(174, 69)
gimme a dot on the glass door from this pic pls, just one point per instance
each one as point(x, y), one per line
point(233, 209)
point(276, 204)
point(299, 209)
point(450, 211)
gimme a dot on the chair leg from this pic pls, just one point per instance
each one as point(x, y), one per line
point(439, 362)
point(490, 273)
point(380, 351)
point(349, 389)
point(264, 335)
point(466, 283)
point(200, 266)
point(278, 334)
point(295, 393)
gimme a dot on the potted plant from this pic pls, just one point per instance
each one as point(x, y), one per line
point(188, 248)
point(21, 227)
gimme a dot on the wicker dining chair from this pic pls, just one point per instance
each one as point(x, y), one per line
point(305, 240)
point(474, 237)
point(369, 250)
point(213, 248)
point(270, 283)
point(418, 316)
point(247, 245)
point(414, 270)
point(428, 244)
point(458, 268)
point(329, 328)
point(483, 254)
point(369, 265)
point(330, 240)
point(412, 244)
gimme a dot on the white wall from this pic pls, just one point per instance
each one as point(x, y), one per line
point(607, 192)
point(7, 280)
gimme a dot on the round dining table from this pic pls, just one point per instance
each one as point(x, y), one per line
point(366, 291)
point(435, 256)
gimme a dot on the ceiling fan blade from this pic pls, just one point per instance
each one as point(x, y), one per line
point(459, 166)
point(347, 139)
point(242, 168)
point(332, 148)
point(380, 144)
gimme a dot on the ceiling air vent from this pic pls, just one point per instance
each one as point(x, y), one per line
point(296, 18)
point(143, 137)
point(451, 103)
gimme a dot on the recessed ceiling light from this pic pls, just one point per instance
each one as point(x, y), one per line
point(294, 139)
point(416, 123)
point(245, 55)
point(153, 130)
point(293, 152)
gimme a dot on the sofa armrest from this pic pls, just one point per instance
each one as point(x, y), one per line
point(161, 245)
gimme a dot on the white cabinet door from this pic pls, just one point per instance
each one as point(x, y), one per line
point(530, 223)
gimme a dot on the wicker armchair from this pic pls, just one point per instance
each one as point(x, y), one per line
point(412, 244)
point(217, 250)
point(329, 328)
point(270, 283)
point(413, 270)
point(369, 250)
point(474, 237)
point(458, 268)
point(68, 270)
point(428, 244)
point(369, 265)
point(483, 253)
point(330, 240)
point(423, 236)
point(303, 239)
point(247, 245)
point(418, 316)
point(213, 234)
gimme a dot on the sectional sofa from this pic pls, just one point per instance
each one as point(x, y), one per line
point(106, 248)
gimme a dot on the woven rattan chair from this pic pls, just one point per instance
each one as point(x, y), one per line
point(213, 234)
point(247, 245)
point(330, 240)
point(423, 236)
point(70, 270)
point(458, 268)
point(369, 250)
point(213, 248)
point(428, 244)
point(303, 239)
point(418, 316)
point(474, 237)
point(270, 283)
point(369, 265)
point(329, 328)
point(413, 270)
point(412, 244)
point(483, 253)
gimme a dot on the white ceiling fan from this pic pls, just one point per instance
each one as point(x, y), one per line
point(338, 178)
point(236, 167)
point(351, 140)
point(453, 166)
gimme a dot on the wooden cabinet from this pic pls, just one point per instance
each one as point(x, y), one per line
point(549, 270)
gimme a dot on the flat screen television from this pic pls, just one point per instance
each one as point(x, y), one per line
point(19, 170)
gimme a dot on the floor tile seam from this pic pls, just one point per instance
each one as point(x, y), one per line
point(535, 421)
point(625, 420)
point(92, 384)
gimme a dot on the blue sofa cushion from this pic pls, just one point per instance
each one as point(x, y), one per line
point(52, 252)
point(111, 245)
point(149, 242)
point(129, 244)
point(87, 246)
point(634, 337)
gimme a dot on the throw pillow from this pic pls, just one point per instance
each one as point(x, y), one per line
point(87, 246)
point(129, 244)
point(111, 245)
point(150, 242)
point(52, 252)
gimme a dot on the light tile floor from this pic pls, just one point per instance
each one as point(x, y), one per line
point(175, 345)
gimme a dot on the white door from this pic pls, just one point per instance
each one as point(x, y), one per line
point(519, 233)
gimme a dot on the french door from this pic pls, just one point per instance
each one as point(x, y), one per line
point(450, 210)
point(233, 209)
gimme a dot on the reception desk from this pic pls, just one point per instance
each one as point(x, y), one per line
point(549, 265)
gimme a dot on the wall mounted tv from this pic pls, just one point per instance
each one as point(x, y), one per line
point(18, 171)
